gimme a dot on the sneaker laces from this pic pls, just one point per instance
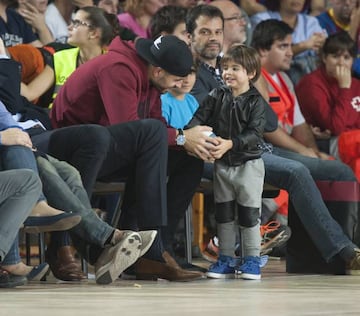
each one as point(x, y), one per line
point(251, 263)
point(269, 227)
point(263, 261)
point(222, 260)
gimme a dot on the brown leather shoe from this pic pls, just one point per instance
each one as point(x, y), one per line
point(63, 264)
point(146, 269)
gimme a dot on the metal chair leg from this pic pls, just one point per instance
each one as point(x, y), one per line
point(188, 235)
point(41, 247)
point(28, 249)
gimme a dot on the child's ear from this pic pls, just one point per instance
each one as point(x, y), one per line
point(252, 75)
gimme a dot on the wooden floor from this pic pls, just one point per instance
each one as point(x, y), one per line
point(278, 293)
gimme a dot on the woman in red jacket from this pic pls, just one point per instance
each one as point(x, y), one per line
point(330, 98)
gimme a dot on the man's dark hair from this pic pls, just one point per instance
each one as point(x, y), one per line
point(166, 20)
point(201, 10)
point(269, 31)
point(339, 43)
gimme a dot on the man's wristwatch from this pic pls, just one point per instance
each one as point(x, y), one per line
point(180, 139)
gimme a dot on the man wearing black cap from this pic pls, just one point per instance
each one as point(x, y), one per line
point(125, 85)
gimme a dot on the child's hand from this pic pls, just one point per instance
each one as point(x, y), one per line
point(223, 146)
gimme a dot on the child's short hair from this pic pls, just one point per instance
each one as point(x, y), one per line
point(245, 56)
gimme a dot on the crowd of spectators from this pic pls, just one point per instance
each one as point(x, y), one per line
point(105, 90)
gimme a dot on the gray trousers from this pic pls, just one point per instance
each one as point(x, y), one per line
point(19, 191)
point(241, 186)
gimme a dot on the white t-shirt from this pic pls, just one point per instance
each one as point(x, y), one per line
point(56, 24)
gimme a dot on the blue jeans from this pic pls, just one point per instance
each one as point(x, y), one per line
point(64, 190)
point(20, 190)
point(296, 174)
point(17, 157)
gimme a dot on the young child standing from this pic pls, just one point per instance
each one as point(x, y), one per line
point(236, 112)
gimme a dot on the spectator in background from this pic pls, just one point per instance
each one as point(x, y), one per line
point(234, 23)
point(33, 11)
point(307, 36)
point(275, 51)
point(109, 6)
point(13, 28)
point(312, 7)
point(252, 7)
point(272, 39)
point(344, 16)
point(170, 20)
point(90, 32)
point(330, 98)
point(185, 3)
point(138, 13)
point(58, 16)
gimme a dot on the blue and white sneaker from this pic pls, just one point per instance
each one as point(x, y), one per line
point(263, 261)
point(223, 268)
point(250, 269)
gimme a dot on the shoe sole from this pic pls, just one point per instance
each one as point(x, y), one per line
point(157, 277)
point(60, 225)
point(209, 257)
point(126, 254)
point(263, 261)
point(147, 239)
point(40, 274)
point(249, 276)
point(213, 275)
point(10, 285)
point(353, 272)
point(277, 241)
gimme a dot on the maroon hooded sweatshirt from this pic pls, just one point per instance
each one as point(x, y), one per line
point(110, 89)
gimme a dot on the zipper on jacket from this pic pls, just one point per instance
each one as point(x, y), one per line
point(230, 127)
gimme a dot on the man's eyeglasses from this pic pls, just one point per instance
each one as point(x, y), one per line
point(76, 23)
point(240, 18)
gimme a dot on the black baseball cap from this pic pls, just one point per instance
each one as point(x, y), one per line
point(167, 52)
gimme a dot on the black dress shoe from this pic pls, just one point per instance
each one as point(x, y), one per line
point(60, 222)
point(8, 280)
